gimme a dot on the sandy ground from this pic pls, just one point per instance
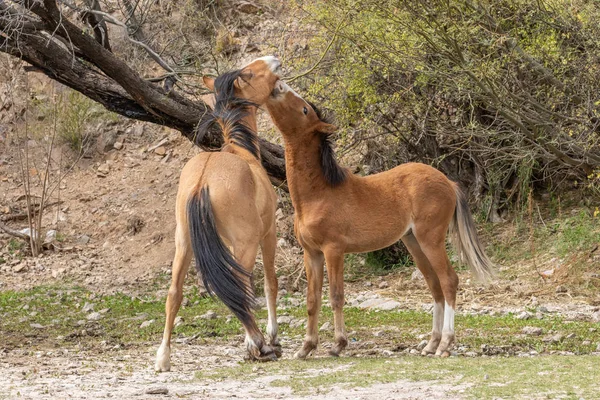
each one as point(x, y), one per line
point(129, 374)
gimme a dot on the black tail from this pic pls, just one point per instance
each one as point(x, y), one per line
point(221, 274)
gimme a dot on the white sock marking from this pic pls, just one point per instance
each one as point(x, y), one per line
point(448, 319)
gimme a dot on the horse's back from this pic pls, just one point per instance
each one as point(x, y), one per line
point(233, 190)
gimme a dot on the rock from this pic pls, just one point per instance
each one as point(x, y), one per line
point(284, 319)
point(209, 315)
point(157, 390)
point(386, 353)
point(414, 352)
point(571, 336)
point(103, 169)
point(368, 284)
point(146, 324)
point(118, 145)
point(88, 307)
point(543, 309)
point(95, 316)
point(598, 347)
point(21, 267)
point(417, 275)
point(548, 273)
point(586, 343)
point(83, 239)
point(325, 327)
point(37, 326)
point(378, 333)
point(553, 339)
point(471, 354)
point(260, 302)
point(107, 141)
point(178, 321)
point(372, 302)
point(186, 302)
point(388, 305)
point(50, 236)
point(532, 330)
point(383, 285)
point(295, 323)
point(596, 316)
point(422, 345)
point(57, 272)
point(160, 150)
point(524, 315)
point(279, 214)
point(282, 243)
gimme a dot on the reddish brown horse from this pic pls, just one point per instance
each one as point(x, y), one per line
point(337, 213)
point(225, 201)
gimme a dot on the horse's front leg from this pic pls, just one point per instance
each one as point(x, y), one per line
point(313, 263)
point(335, 272)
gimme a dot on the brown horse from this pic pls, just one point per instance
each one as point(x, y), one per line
point(226, 208)
point(337, 213)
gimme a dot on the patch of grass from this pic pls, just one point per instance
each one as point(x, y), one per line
point(480, 378)
point(15, 245)
point(75, 112)
point(573, 236)
point(58, 312)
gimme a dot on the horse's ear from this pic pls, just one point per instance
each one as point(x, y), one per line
point(209, 100)
point(209, 83)
point(242, 81)
point(327, 128)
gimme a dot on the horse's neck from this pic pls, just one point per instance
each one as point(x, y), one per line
point(232, 147)
point(303, 170)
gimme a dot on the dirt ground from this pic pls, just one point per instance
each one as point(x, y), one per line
point(130, 375)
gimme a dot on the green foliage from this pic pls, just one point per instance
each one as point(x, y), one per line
point(74, 112)
point(502, 85)
point(387, 260)
point(14, 245)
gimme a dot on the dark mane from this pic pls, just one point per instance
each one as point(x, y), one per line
point(333, 173)
point(229, 111)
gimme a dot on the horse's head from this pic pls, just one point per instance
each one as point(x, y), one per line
point(294, 116)
point(254, 82)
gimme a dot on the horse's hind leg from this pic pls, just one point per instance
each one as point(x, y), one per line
point(313, 264)
point(268, 246)
point(181, 263)
point(335, 273)
point(433, 245)
point(436, 291)
point(245, 255)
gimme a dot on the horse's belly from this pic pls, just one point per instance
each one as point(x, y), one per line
point(375, 237)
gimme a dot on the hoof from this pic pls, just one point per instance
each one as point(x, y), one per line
point(306, 349)
point(302, 354)
point(277, 351)
point(162, 367)
point(442, 354)
point(267, 354)
point(334, 353)
point(338, 347)
point(163, 360)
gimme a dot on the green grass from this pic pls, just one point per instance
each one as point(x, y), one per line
point(480, 378)
point(560, 237)
point(58, 311)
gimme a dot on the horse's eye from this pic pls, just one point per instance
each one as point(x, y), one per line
point(305, 111)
